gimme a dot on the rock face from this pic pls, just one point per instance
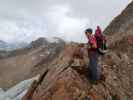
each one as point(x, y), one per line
point(122, 22)
point(62, 82)
point(122, 25)
point(66, 78)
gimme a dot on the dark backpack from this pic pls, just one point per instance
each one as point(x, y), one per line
point(101, 44)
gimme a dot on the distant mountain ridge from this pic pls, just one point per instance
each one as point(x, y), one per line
point(11, 46)
point(6, 46)
point(44, 41)
point(26, 62)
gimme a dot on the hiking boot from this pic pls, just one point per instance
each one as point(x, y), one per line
point(94, 82)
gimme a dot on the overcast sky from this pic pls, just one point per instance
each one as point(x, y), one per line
point(26, 20)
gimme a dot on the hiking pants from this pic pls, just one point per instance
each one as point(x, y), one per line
point(94, 69)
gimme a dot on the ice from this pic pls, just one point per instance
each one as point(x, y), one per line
point(17, 91)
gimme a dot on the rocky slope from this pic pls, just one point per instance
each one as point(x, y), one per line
point(66, 77)
point(122, 25)
point(21, 64)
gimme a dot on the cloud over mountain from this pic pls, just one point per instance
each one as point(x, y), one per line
point(22, 20)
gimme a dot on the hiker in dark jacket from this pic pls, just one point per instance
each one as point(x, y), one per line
point(94, 69)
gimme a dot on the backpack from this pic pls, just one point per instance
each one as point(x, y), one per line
point(101, 44)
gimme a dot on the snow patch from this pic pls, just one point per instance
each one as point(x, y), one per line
point(18, 91)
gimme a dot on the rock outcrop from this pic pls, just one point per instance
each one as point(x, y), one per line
point(67, 78)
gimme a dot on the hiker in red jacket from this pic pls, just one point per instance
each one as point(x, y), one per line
point(94, 69)
point(98, 32)
point(101, 41)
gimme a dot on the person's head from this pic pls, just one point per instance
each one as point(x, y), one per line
point(88, 32)
point(98, 27)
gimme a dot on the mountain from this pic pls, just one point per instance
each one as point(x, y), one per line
point(4, 46)
point(63, 72)
point(24, 63)
point(122, 22)
point(122, 25)
point(66, 78)
point(45, 41)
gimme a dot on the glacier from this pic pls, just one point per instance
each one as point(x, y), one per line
point(18, 91)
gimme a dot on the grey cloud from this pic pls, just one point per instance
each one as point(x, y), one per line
point(30, 19)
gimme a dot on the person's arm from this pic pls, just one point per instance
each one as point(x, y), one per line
point(94, 45)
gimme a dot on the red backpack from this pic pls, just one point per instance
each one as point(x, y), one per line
point(101, 43)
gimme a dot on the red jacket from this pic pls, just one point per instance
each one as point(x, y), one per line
point(92, 41)
point(98, 32)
